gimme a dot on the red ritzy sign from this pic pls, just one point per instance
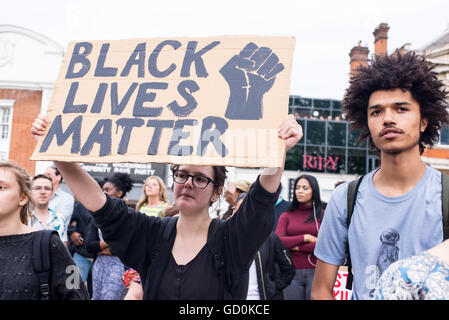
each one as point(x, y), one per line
point(319, 163)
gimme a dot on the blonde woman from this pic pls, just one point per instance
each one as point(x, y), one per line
point(154, 199)
point(18, 280)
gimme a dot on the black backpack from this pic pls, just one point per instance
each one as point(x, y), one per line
point(160, 255)
point(42, 261)
point(352, 197)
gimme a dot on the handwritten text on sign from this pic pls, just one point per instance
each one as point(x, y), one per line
point(200, 101)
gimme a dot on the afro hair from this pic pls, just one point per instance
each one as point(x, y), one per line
point(407, 72)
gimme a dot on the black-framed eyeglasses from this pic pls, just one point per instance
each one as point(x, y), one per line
point(198, 181)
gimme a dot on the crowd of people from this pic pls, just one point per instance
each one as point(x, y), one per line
point(388, 226)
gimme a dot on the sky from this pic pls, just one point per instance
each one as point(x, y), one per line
point(325, 30)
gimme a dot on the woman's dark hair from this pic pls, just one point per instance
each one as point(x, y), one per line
point(316, 197)
point(122, 182)
point(388, 72)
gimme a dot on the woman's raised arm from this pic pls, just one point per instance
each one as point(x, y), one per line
point(85, 189)
point(291, 131)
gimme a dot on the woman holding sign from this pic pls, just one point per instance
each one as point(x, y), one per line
point(191, 256)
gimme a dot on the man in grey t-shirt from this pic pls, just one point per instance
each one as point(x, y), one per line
point(399, 105)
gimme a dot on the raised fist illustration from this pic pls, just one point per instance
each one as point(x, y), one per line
point(250, 74)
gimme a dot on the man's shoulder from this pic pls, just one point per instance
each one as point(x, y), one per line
point(63, 195)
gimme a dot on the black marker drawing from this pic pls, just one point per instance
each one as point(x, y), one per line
point(250, 74)
point(389, 251)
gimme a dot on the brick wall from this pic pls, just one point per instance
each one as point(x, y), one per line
point(380, 39)
point(436, 153)
point(27, 106)
point(358, 57)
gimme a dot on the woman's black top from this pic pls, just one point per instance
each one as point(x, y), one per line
point(181, 282)
point(18, 281)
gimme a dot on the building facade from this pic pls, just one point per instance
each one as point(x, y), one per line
point(29, 65)
point(437, 52)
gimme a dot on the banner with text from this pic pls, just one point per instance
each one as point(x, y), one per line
point(207, 101)
point(137, 171)
point(339, 291)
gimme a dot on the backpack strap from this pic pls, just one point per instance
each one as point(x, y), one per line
point(445, 204)
point(353, 187)
point(215, 239)
point(41, 260)
point(160, 254)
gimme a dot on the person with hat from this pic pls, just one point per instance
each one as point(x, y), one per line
point(232, 193)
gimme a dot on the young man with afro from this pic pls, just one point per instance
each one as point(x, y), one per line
point(399, 105)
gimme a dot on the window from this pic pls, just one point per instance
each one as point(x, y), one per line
point(294, 158)
point(5, 118)
point(336, 133)
point(315, 132)
point(444, 135)
point(301, 112)
point(336, 160)
point(303, 102)
point(322, 104)
point(336, 105)
point(4, 122)
point(353, 139)
point(329, 145)
point(357, 161)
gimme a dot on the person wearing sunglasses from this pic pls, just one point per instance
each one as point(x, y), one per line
point(190, 270)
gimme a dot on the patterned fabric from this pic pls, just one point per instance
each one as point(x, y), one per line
point(63, 203)
point(106, 278)
point(55, 221)
point(155, 210)
point(420, 277)
point(130, 275)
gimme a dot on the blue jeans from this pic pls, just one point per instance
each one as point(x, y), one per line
point(83, 264)
point(301, 285)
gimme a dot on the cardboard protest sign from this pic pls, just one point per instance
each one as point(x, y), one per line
point(206, 101)
point(339, 291)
